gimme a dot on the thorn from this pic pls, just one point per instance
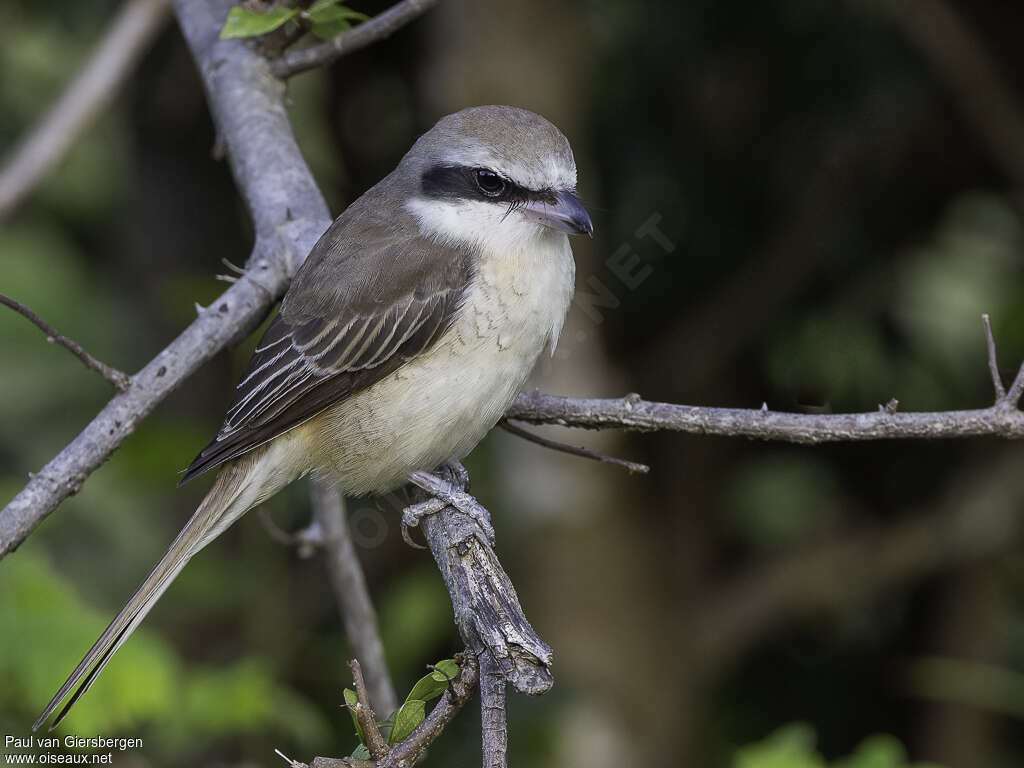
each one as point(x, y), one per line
point(890, 407)
point(233, 267)
point(764, 406)
point(292, 763)
point(199, 308)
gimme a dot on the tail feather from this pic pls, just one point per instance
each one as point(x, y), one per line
point(227, 500)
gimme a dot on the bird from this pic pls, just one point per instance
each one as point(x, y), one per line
point(404, 336)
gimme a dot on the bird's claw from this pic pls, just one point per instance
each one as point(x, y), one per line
point(450, 497)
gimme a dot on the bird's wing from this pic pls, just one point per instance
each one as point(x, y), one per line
point(366, 301)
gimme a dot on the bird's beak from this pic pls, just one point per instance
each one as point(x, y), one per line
point(566, 214)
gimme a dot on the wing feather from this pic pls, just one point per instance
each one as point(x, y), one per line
point(308, 361)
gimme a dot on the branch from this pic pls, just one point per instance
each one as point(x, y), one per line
point(633, 413)
point(631, 466)
point(489, 618)
point(381, 26)
point(289, 215)
point(493, 715)
point(131, 31)
point(121, 381)
point(413, 748)
point(354, 602)
point(365, 715)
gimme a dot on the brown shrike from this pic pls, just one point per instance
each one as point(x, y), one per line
point(405, 335)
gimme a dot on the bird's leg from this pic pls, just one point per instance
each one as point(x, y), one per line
point(446, 494)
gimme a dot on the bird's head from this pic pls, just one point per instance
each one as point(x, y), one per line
point(497, 177)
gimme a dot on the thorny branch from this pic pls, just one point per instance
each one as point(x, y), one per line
point(120, 380)
point(1001, 419)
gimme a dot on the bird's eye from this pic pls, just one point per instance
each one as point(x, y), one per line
point(490, 183)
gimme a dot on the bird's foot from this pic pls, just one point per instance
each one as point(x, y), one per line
point(459, 473)
point(445, 494)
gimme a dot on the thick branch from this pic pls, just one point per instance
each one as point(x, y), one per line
point(120, 380)
point(381, 26)
point(353, 597)
point(289, 215)
point(84, 99)
point(631, 412)
point(489, 618)
point(487, 610)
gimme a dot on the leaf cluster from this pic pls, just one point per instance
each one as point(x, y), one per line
point(324, 18)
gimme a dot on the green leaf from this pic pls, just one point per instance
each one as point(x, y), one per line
point(361, 753)
point(445, 667)
point(351, 700)
point(329, 19)
point(408, 718)
point(245, 23)
point(432, 685)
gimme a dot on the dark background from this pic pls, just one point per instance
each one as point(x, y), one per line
point(837, 201)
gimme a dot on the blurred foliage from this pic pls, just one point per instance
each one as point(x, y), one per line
point(792, 746)
point(41, 615)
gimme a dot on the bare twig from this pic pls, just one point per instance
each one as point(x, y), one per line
point(289, 215)
point(381, 26)
point(1013, 396)
point(365, 715)
point(84, 98)
point(631, 466)
point(353, 597)
point(120, 380)
point(993, 363)
point(635, 414)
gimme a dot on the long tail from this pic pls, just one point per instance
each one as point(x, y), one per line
point(234, 492)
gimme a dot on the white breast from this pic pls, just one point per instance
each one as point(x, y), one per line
point(439, 406)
